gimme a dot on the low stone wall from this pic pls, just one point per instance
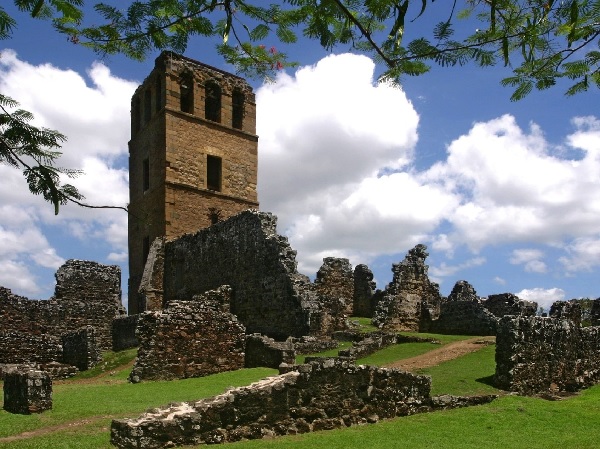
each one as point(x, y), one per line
point(27, 391)
point(80, 348)
point(189, 339)
point(322, 395)
point(535, 355)
point(371, 342)
point(123, 332)
point(312, 345)
point(266, 352)
point(57, 371)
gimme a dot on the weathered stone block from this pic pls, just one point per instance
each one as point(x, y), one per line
point(80, 348)
point(27, 391)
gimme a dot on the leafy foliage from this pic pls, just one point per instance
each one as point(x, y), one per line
point(33, 150)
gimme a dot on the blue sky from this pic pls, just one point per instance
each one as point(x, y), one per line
point(505, 195)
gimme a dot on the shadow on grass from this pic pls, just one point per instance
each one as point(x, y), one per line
point(487, 380)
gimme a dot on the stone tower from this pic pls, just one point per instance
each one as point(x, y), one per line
point(192, 155)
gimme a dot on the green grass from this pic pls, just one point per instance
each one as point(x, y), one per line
point(364, 324)
point(509, 422)
point(111, 362)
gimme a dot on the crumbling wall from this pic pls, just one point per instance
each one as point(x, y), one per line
point(411, 300)
point(86, 294)
point(509, 304)
point(463, 313)
point(364, 289)
point(322, 395)
point(369, 344)
point(595, 313)
point(80, 348)
point(189, 339)
point(335, 279)
point(266, 352)
point(245, 252)
point(566, 310)
point(21, 347)
point(535, 355)
point(123, 332)
point(27, 391)
point(150, 292)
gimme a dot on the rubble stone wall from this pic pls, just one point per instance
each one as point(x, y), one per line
point(20, 347)
point(123, 332)
point(318, 396)
point(27, 391)
point(188, 339)
point(464, 318)
point(411, 300)
point(335, 279)
point(266, 352)
point(535, 355)
point(321, 395)
point(508, 304)
point(364, 289)
point(80, 348)
point(270, 296)
point(371, 342)
point(87, 294)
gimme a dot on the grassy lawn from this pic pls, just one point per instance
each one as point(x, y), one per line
point(88, 404)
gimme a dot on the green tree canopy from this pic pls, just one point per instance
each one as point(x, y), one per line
point(542, 41)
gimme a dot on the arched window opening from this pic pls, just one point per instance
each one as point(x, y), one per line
point(147, 105)
point(212, 105)
point(186, 92)
point(237, 113)
point(158, 95)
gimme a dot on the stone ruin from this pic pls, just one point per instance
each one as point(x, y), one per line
point(245, 252)
point(322, 394)
point(539, 355)
point(411, 299)
point(190, 339)
point(335, 280)
point(364, 291)
point(87, 294)
point(27, 391)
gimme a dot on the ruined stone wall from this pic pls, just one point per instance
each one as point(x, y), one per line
point(508, 304)
point(595, 313)
point(335, 279)
point(411, 300)
point(123, 332)
point(21, 347)
point(364, 289)
point(189, 339)
point(535, 355)
point(322, 395)
point(566, 310)
point(87, 294)
point(369, 344)
point(270, 296)
point(80, 348)
point(27, 391)
point(266, 352)
point(319, 396)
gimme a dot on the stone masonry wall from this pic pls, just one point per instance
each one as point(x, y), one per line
point(270, 297)
point(123, 332)
point(266, 352)
point(411, 300)
point(364, 289)
point(27, 391)
point(536, 355)
point(80, 348)
point(322, 395)
point(509, 304)
point(87, 293)
point(336, 280)
point(20, 347)
point(189, 339)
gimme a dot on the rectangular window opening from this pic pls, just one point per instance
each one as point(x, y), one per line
point(213, 173)
point(146, 174)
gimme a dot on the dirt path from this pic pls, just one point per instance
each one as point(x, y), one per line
point(443, 354)
point(51, 429)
